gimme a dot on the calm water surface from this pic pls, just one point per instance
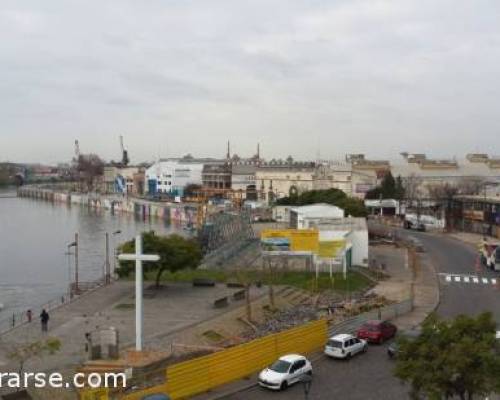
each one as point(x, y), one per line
point(35, 266)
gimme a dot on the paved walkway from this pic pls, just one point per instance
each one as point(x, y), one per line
point(171, 309)
point(398, 286)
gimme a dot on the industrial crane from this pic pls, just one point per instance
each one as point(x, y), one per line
point(125, 159)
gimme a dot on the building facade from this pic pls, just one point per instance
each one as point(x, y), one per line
point(277, 180)
point(475, 214)
point(333, 175)
point(123, 180)
point(243, 180)
point(171, 176)
point(217, 176)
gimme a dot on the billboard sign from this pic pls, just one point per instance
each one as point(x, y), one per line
point(297, 239)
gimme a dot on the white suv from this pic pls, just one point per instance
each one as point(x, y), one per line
point(284, 372)
point(345, 346)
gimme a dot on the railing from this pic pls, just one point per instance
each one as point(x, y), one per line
point(391, 311)
point(16, 319)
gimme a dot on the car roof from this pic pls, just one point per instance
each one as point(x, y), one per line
point(291, 357)
point(342, 336)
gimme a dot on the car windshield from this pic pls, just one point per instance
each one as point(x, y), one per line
point(280, 366)
point(334, 343)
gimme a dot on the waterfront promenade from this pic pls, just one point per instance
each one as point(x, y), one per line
point(168, 311)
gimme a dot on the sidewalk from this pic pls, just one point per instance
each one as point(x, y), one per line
point(425, 293)
point(473, 239)
point(168, 312)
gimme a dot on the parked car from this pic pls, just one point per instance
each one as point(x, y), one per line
point(285, 371)
point(345, 346)
point(377, 331)
point(393, 348)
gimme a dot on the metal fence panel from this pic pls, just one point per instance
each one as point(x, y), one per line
point(201, 374)
point(94, 394)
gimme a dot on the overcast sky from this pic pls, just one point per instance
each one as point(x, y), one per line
point(301, 77)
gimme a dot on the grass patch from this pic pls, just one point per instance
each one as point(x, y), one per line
point(300, 279)
point(187, 275)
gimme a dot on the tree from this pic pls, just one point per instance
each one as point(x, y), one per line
point(389, 188)
point(175, 251)
point(451, 358)
point(400, 189)
point(89, 168)
point(4, 175)
point(25, 352)
point(413, 189)
point(336, 197)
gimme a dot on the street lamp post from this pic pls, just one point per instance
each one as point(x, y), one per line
point(115, 253)
point(75, 245)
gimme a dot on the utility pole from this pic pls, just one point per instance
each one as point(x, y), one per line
point(107, 267)
point(77, 289)
point(75, 245)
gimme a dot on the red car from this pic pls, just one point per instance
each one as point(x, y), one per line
point(376, 331)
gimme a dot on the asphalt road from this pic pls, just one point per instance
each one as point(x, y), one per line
point(365, 376)
point(457, 260)
point(369, 376)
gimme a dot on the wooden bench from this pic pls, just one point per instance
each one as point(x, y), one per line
point(239, 295)
point(221, 303)
point(235, 285)
point(203, 282)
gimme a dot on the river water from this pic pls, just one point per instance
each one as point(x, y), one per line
point(35, 266)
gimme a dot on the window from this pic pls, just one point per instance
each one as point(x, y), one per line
point(280, 366)
point(298, 365)
point(335, 343)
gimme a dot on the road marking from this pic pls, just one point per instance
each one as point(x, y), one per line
point(461, 278)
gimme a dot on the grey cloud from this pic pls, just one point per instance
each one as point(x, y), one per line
point(415, 74)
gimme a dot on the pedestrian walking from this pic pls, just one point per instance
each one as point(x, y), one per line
point(29, 315)
point(44, 319)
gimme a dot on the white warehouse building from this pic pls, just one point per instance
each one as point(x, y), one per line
point(305, 216)
point(171, 176)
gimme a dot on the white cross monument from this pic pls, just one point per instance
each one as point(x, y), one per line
point(138, 257)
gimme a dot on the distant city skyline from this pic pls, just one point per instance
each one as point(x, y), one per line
point(302, 78)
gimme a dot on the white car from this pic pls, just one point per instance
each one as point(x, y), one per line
point(345, 346)
point(284, 372)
